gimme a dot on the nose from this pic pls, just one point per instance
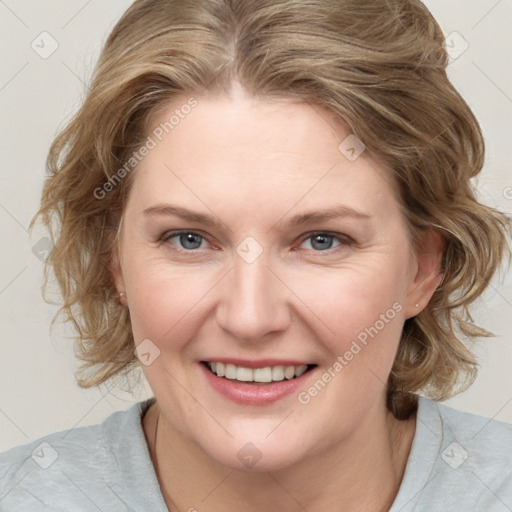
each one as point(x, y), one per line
point(253, 302)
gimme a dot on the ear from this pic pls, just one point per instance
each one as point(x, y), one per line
point(426, 272)
point(117, 276)
point(114, 262)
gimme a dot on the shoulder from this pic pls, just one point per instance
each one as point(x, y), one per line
point(458, 461)
point(470, 423)
point(488, 441)
point(67, 468)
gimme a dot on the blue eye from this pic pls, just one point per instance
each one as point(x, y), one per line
point(322, 241)
point(191, 241)
point(187, 239)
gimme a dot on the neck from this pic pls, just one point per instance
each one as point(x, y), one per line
point(362, 473)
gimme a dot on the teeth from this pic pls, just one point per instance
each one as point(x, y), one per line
point(300, 370)
point(289, 372)
point(230, 372)
point(244, 374)
point(262, 374)
point(278, 373)
point(267, 374)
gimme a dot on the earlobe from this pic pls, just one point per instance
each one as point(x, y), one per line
point(428, 275)
point(117, 275)
point(114, 262)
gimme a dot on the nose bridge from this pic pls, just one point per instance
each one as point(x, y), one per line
point(253, 304)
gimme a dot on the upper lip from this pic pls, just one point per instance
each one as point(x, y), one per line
point(257, 363)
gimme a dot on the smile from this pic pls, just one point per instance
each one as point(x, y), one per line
point(262, 375)
point(264, 384)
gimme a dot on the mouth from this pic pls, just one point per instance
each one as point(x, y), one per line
point(257, 376)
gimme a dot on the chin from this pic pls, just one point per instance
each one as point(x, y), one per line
point(268, 463)
point(256, 456)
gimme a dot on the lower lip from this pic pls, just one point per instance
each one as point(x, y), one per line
point(254, 394)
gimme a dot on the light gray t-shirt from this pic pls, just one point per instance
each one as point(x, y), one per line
point(458, 462)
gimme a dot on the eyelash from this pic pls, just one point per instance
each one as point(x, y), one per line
point(344, 240)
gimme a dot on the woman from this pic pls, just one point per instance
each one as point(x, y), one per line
point(267, 207)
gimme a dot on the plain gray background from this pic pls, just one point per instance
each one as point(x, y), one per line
point(39, 92)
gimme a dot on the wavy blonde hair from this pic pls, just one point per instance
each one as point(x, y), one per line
point(379, 65)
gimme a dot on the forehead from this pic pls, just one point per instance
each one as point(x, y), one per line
point(261, 150)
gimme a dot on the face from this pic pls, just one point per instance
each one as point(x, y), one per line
point(249, 238)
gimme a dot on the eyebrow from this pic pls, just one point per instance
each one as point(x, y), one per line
point(300, 219)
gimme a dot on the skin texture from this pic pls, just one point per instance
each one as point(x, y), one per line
point(253, 164)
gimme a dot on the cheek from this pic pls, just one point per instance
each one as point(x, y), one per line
point(164, 301)
point(364, 315)
point(361, 305)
